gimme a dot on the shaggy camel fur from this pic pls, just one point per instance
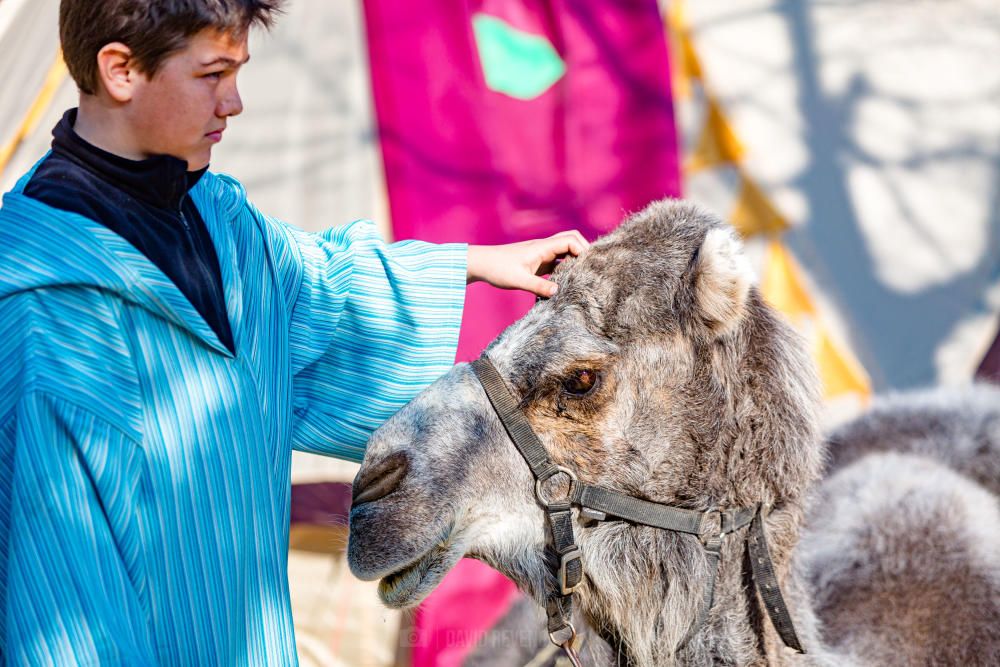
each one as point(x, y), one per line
point(658, 372)
point(955, 426)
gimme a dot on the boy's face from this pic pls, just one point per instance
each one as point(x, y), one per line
point(182, 110)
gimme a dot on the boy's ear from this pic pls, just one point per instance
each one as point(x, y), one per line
point(722, 280)
point(116, 71)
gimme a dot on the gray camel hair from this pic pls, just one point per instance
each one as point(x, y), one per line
point(704, 398)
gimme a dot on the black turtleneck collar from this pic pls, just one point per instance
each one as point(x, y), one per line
point(162, 180)
point(147, 203)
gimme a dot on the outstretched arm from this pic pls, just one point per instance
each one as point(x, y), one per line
point(371, 324)
point(520, 265)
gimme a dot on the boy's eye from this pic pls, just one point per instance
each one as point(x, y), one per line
point(212, 75)
point(580, 382)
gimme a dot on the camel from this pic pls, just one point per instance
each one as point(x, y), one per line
point(958, 427)
point(657, 372)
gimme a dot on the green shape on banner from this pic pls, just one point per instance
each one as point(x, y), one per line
point(515, 62)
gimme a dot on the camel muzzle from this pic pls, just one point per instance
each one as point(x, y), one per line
point(378, 481)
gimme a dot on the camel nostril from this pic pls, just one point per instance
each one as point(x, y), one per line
point(380, 479)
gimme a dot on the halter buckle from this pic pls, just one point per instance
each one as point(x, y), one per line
point(546, 476)
point(564, 560)
point(711, 530)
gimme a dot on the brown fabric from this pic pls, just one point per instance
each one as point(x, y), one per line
point(321, 504)
point(318, 539)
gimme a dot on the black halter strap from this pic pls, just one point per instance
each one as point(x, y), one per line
point(600, 504)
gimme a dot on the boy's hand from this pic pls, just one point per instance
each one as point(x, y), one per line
point(519, 265)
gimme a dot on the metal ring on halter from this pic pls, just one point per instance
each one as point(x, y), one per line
point(546, 476)
point(556, 635)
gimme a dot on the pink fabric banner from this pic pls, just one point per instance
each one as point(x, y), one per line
point(503, 120)
point(466, 163)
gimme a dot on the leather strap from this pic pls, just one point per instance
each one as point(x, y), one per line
point(638, 510)
point(569, 571)
point(512, 418)
point(767, 584)
point(603, 504)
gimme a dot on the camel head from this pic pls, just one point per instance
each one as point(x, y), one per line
point(657, 372)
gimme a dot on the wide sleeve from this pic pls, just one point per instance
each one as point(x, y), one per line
point(67, 588)
point(371, 325)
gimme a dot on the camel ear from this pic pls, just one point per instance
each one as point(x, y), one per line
point(722, 279)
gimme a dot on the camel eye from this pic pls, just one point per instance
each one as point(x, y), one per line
point(580, 382)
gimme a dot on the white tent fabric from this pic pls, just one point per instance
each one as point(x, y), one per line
point(28, 43)
point(875, 128)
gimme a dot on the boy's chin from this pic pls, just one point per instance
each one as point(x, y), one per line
point(199, 161)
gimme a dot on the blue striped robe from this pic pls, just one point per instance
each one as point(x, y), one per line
point(144, 470)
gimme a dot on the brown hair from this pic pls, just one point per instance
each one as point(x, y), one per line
point(152, 29)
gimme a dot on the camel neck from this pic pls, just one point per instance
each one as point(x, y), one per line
point(651, 624)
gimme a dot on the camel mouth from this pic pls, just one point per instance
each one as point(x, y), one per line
point(409, 585)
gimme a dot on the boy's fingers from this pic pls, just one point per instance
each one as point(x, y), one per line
point(540, 286)
point(564, 243)
point(581, 243)
point(556, 247)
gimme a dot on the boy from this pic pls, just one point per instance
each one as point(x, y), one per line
point(166, 345)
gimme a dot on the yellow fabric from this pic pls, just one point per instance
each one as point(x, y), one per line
point(676, 16)
point(689, 57)
point(54, 79)
point(838, 370)
point(754, 213)
point(718, 143)
point(782, 285)
point(685, 65)
point(783, 288)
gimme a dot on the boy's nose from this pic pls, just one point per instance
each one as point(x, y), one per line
point(379, 480)
point(230, 105)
